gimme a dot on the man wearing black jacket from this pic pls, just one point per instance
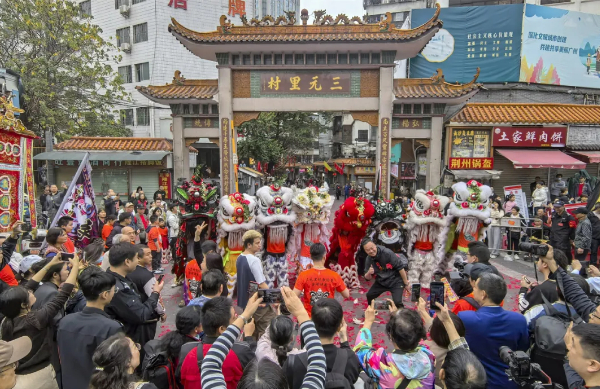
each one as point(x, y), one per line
point(86, 329)
point(562, 229)
point(124, 221)
point(127, 306)
point(390, 270)
point(530, 298)
point(594, 217)
point(111, 203)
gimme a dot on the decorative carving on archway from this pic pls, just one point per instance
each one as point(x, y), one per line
point(371, 117)
point(242, 117)
point(240, 80)
point(369, 83)
point(424, 142)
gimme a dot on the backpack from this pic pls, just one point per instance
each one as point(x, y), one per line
point(472, 301)
point(334, 379)
point(550, 331)
point(157, 368)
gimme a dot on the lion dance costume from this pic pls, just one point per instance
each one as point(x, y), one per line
point(425, 224)
point(468, 217)
point(386, 229)
point(199, 200)
point(236, 216)
point(275, 217)
point(349, 228)
point(313, 210)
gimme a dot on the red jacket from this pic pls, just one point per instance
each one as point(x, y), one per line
point(233, 366)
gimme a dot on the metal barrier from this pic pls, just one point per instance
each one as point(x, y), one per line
point(534, 234)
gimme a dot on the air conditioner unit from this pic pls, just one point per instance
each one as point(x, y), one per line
point(126, 47)
point(124, 10)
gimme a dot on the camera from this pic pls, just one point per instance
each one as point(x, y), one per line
point(536, 249)
point(524, 373)
point(26, 227)
point(460, 265)
point(270, 296)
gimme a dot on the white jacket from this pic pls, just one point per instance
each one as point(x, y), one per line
point(173, 221)
point(496, 215)
point(540, 197)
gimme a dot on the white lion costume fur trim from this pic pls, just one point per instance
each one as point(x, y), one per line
point(225, 213)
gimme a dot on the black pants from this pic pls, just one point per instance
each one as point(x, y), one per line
point(594, 252)
point(377, 289)
point(582, 256)
point(513, 242)
point(156, 257)
point(565, 248)
point(173, 245)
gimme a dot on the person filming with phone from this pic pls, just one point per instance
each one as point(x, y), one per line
point(389, 269)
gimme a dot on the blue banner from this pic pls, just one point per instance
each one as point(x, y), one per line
point(487, 37)
point(560, 47)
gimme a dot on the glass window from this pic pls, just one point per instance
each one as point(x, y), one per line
point(268, 58)
point(137, 1)
point(278, 59)
point(142, 71)
point(105, 179)
point(407, 110)
point(143, 116)
point(205, 109)
point(125, 73)
point(427, 109)
point(85, 8)
point(332, 59)
point(310, 59)
point(257, 59)
point(123, 36)
point(246, 59)
point(196, 109)
point(235, 59)
point(365, 58)
point(214, 108)
point(353, 59)
point(375, 58)
point(343, 59)
point(321, 59)
point(186, 109)
point(127, 117)
point(417, 109)
point(363, 135)
point(140, 33)
point(119, 3)
point(289, 59)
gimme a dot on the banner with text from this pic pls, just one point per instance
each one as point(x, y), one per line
point(520, 198)
point(560, 47)
point(486, 37)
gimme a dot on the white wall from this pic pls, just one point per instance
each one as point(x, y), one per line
point(162, 51)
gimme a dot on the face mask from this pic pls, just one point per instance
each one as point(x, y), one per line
point(113, 197)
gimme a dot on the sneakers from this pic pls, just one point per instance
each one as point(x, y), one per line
point(158, 271)
point(508, 258)
point(493, 256)
point(517, 256)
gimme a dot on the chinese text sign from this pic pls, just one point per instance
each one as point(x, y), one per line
point(468, 143)
point(305, 83)
point(529, 136)
point(471, 163)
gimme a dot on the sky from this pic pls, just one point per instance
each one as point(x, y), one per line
point(334, 7)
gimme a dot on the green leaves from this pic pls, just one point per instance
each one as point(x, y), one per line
point(62, 59)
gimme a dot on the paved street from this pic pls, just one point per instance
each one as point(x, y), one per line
point(512, 272)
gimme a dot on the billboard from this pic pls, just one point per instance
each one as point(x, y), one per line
point(560, 47)
point(487, 37)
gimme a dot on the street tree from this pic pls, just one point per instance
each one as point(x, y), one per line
point(64, 63)
point(276, 137)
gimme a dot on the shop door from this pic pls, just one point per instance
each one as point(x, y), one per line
point(511, 176)
point(147, 179)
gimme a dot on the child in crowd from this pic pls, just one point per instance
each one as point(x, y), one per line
point(164, 234)
point(108, 227)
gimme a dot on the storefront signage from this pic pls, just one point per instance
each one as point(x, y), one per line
point(422, 159)
point(225, 155)
point(471, 163)
point(394, 170)
point(69, 162)
point(182, 4)
point(201, 122)
point(529, 136)
point(520, 198)
point(468, 143)
point(237, 7)
point(408, 171)
point(580, 136)
point(411, 123)
point(312, 83)
point(364, 170)
point(164, 183)
point(385, 156)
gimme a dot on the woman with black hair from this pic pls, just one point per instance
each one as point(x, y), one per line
point(35, 370)
point(55, 238)
point(93, 254)
point(276, 343)
point(214, 261)
point(514, 233)
point(116, 360)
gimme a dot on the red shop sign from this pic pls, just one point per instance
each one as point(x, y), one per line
point(529, 136)
point(471, 163)
point(164, 183)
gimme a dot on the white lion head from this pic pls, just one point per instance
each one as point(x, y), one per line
point(312, 205)
point(274, 205)
point(428, 208)
point(237, 212)
point(471, 199)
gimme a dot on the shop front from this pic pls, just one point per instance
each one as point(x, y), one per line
point(515, 143)
point(120, 164)
point(583, 143)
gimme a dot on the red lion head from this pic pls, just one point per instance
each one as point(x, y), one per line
point(354, 215)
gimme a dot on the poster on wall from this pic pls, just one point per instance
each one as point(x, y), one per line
point(408, 171)
point(467, 143)
point(520, 198)
point(560, 47)
point(486, 37)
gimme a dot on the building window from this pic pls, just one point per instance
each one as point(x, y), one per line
point(363, 135)
point(137, 1)
point(214, 109)
point(125, 73)
point(127, 117)
point(142, 71)
point(143, 116)
point(119, 3)
point(140, 33)
point(85, 8)
point(123, 36)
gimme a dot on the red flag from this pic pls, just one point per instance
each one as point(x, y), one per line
point(338, 168)
point(259, 167)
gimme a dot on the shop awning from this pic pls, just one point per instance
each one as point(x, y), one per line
point(590, 156)
point(251, 172)
point(102, 155)
point(533, 159)
point(476, 174)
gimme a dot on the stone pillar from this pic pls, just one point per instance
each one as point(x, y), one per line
point(434, 153)
point(186, 158)
point(386, 97)
point(179, 151)
point(225, 133)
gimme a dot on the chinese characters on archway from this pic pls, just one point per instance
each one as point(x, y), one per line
point(237, 7)
point(529, 136)
point(305, 83)
point(181, 4)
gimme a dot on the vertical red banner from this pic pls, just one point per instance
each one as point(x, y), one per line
point(164, 183)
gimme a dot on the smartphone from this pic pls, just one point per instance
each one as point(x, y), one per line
point(270, 296)
point(415, 292)
point(527, 279)
point(382, 305)
point(66, 256)
point(252, 288)
point(160, 278)
point(437, 294)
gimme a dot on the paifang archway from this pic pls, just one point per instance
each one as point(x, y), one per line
point(267, 65)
